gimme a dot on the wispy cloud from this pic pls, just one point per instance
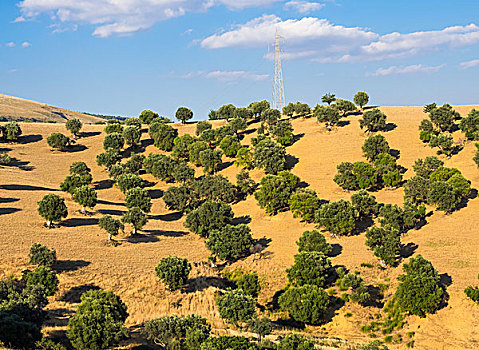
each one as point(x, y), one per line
point(304, 7)
point(10, 44)
point(126, 16)
point(26, 44)
point(11, 71)
point(469, 64)
point(222, 76)
point(417, 68)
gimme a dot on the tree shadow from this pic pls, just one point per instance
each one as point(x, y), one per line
point(343, 123)
point(4, 150)
point(8, 200)
point(376, 296)
point(166, 233)
point(273, 305)
point(59, 318)
point(90, 133)
point(147, 142)
point(337, 250)
point(102, 201)
point(389, 127)
point(225, 165)
point(140, 238)
point(6, 211)
point(363, 224)
point(69, 265)
point(30, 139)
point(22, 165)
point(445, 280)
point(103, 184)
point(408, 250)
point(155, 194)
point(201, 283)
point(465, 200)
point(15, 187)
point(75, 148)
point(73, 296)
point(111, 212)
point(291, 161)
point(76, 222)
point(297, 137)
point(245, 219)
point(167, 217)
point(395, 153)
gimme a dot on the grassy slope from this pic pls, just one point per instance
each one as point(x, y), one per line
point(14, 108)
point(450, 242)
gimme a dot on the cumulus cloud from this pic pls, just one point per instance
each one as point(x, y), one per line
point(123, 16)
point(319, 40)
point(10, 44)
point(26, 44)
point(224, 76)
point(469, 64)
point(417, 68)
point(304, 7)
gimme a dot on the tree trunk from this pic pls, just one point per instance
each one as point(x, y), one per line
point(134, 230)
point(49, 223)
point(109, 237)
point(83, 210)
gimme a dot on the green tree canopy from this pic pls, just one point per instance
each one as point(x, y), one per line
point(311, 268)
point(183, 114)
point(173, 271)
point(307, 303)
point(230, 242)
point(52, 208)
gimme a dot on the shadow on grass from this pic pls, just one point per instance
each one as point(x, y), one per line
point(200, 283)
point(75, 148)
point(15, 187)
point(22, 165)
point(111, 212)
point(408, 250)
point(167, 217)
point(8, 200)
point(155, 194)
point(30, 139)
point(90, 133)
point(166, 233)
point(6, 211)
point(75, 293)
point(69, 265)
point(76, 222)
point(291, 161)
point(103, 184)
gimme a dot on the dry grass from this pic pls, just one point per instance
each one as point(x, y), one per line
point(450, 242)
point(14, 108)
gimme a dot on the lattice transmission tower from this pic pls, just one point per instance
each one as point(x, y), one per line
point(278, 84)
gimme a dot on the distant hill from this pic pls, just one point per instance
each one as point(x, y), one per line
point(19, 109)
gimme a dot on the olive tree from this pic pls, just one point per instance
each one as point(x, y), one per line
point(470, 125)
point(443, 195)
point(183, 114)
point(244, 158)
point(44, 276)
point(304, 203)
point(344, 106)
point(202, 126)
point(425, 167)
point(307, 304)
point(230, 242)
point(274, 192)
point(239, 124)
point(443, 117)
point(373, 120)
point(327, 114)
point(148, 116)
point(164, 136)
point(40, 255)
point(226, 112)
point(133, 121)
point(194, 150)
point(86, 197)
point(173, 271)
point(108, 158)
point(336, 217)
point(385, 243)
point(128, 181)
point(311, 268)
point(111, 225)
point(181, 147)
point(208, 217)
point(11, 131)
point(328, 98)
point(314, 241)
point(235, 306)
point(443, 142)
point(132, 135)
point(136, 218)
point(112, 126)
point(257, 108)
point(113, 141)
point(210, 160)
point(364, 204)
point(361, 99)
point(270, 156)
point(230, 146)
point(416, 189)
point(58, 141)
point(138, 197)
point(52, 208)
point(374, 146)
point(74, 125)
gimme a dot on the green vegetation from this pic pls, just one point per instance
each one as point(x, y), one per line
point(173, 271)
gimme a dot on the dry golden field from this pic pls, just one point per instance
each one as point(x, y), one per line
point(449, 242)
point(15, 108)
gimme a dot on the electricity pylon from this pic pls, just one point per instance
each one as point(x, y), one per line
point(278, 84)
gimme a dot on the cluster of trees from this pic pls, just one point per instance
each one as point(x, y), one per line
point(59, 141)
point(437, 185)
point(381, 171)
point(436, 131)
point(77, 184)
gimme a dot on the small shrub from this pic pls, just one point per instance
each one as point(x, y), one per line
point(173, 271)
point(41, 255)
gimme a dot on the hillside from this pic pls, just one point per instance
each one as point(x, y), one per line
point(19, 109)
point(450, 242)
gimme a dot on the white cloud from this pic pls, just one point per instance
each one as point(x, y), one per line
point(10, 44)
point(19, 19)
point(11, 71)
point(123, 17)
point(469, 64)
point(417, 68)
point(308, 37)
point(304, 7)
point(223, 76)
point(26, 44)
point(319, 40)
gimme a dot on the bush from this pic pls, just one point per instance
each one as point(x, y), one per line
point(295, 342)
point(111, 225)
point(426, 126)
point(306, 304)
point(48, 344)
point(244, 183)
point(43, 276)
point(270, 156)
point(425, 136)
point(86, 197)
point(345, 177)
point(229, 242)
point(208, 217)
point(181, 147)
point(373, 120)
point(186, 331)
point(108, 158)
point(385, 243)
point(98, 322)
point(230, 146)
point(210, 160)
point(274, 193)
point(416, 189)
point(163, 136)
point(113, 126)
point(173, 271)
point(52, 208)
point(472, 293)
point(202, 126)
point(136, 218)
point(148, 116)
point(374, 146)
point(443, 174)
point(327, 114)
point(313, 241)
point(235, 306)
point(443, 196)
point(58, 141)
point(195, 149)
point(364, 204)
point(128, 181)
point(11, 131)
point(113, 141)
point(336, 217)
point(310, 268)
point(244, 158)
point(304, 204)
point(249, 283)
point(41, 255)
point(132, 136)
point(138, 197)
point(74, 125)
point(419, 291)
point(427, 166)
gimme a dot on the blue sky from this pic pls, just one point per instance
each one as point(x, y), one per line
point(122, 56)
